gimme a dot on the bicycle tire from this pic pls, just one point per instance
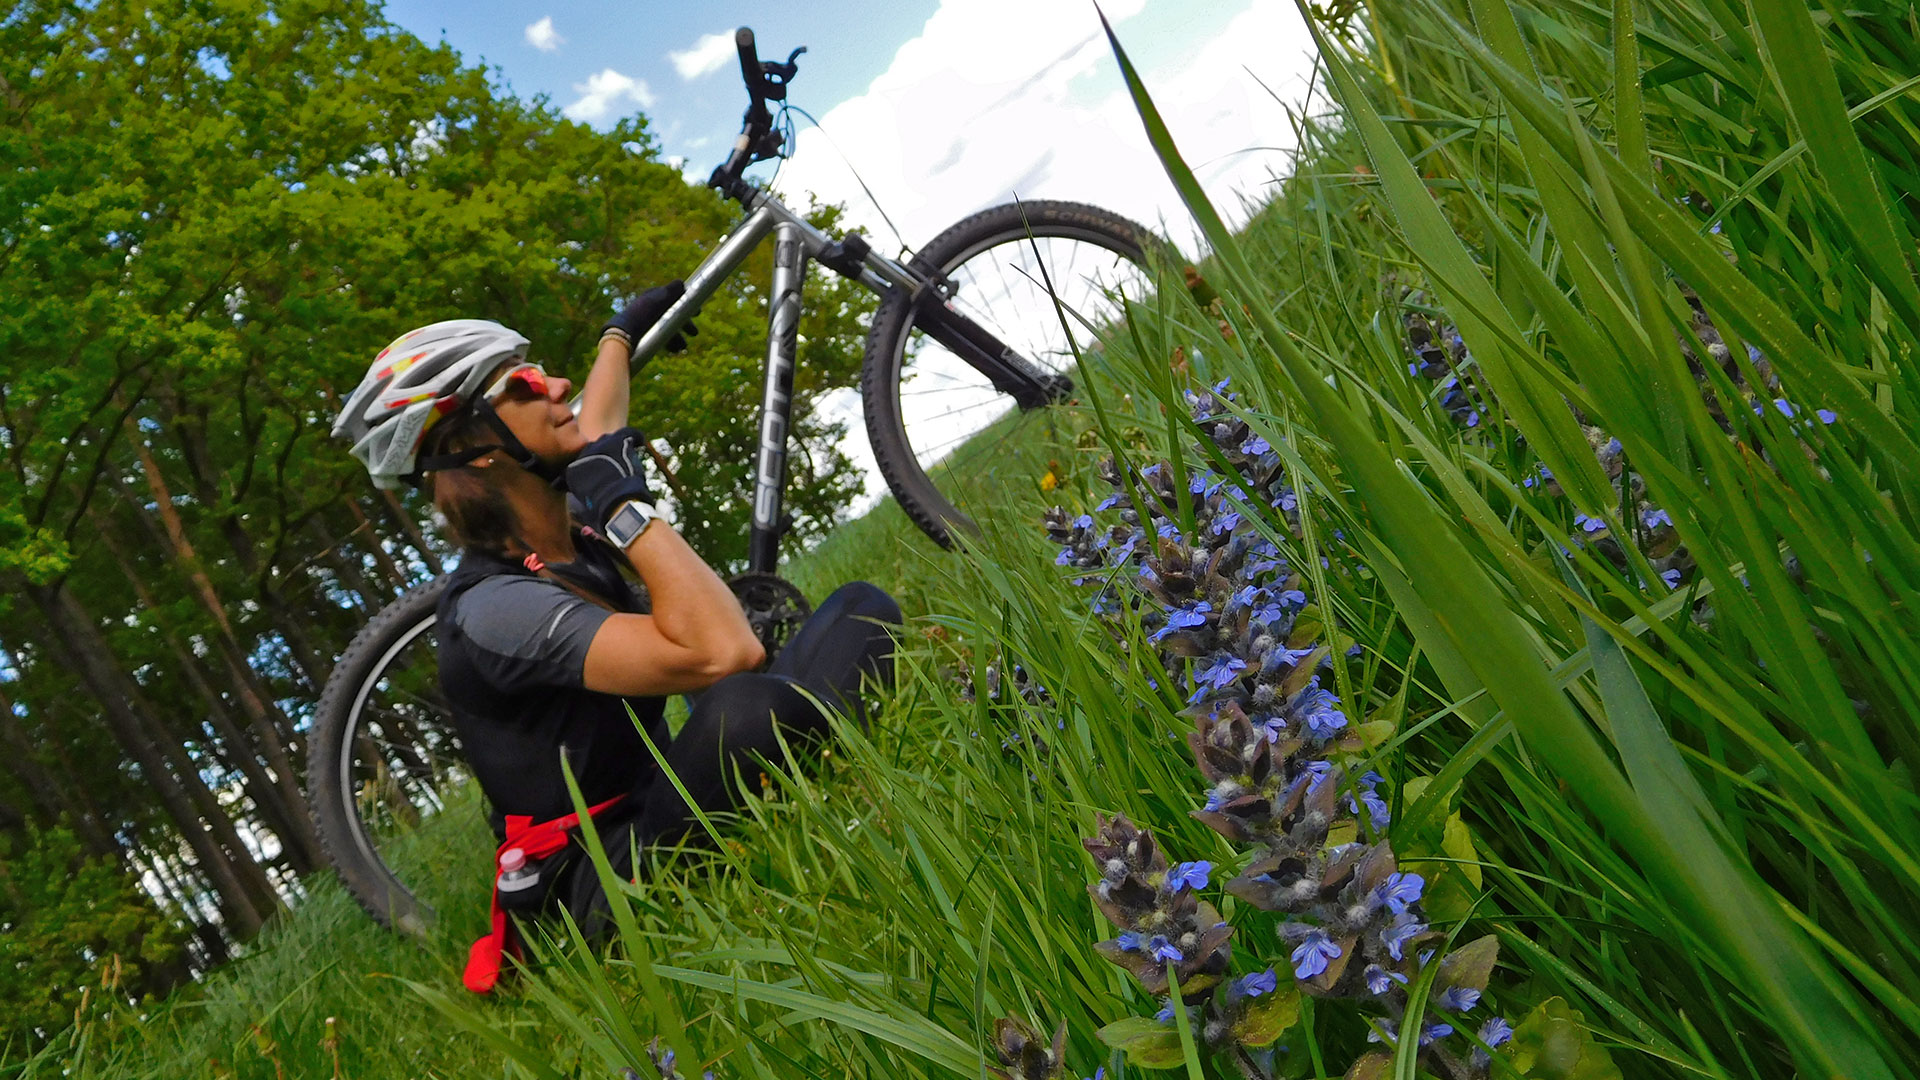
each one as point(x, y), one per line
point(337, 723)
point(881, 371)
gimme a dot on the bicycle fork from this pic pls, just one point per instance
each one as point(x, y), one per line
point(776, 402)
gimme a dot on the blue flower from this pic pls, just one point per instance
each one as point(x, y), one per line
point(1293, 598)
point(1151, 470)
point(1125, 551)
point(1165, 1015)
point(1318, 708)
point(1434, 1031)
point(1655, 518)
point(1216, 674)
point(1459, 999)
point(1380, 980)
point(1398, 891)
point(1128, 941)
point(1110, 501)
point(1260, 982)
point(1403, 929)
point(1162, 950)
point(1247, 596)
point(1188, 615)
point(1311, 955)
point(1588, 525)
point(1827, 416)
point(1280, 656)
point(1473, 418)
point(1065, 556)
point(1754, 355)
point(1671, 577)
point(1169, 531)
point(1255, 446)
point(1496, 1032)
point(1099, 1074)
point(1225, 522)
point(1220, 388)
point(1318, 773)
point(1205, 483)
point(1288, 501)
point(1273, 727)
point(1611, 448)
point(1785, 407)
point(1190, 875)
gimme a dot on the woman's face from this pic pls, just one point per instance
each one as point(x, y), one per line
point(534, 407)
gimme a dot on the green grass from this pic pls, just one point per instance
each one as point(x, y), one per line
point(1689, 815)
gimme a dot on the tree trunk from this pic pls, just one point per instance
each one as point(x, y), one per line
point(363, 524)
point(271, 728)
point(88, 654)
point(47, 792)
point(398, 511)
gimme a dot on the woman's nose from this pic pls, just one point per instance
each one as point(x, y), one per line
point(557, 388)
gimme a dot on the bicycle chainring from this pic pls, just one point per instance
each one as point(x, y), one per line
point(774, 607)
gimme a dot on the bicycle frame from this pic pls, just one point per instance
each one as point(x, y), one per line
point(797, 243)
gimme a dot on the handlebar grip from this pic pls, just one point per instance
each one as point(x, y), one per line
point(749, 62)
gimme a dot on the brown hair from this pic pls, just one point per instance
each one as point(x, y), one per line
point(476, 510)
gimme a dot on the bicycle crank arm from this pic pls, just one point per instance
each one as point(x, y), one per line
point(1010, 373)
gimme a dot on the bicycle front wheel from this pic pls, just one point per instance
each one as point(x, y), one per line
point(385, 771)
point(937, 425)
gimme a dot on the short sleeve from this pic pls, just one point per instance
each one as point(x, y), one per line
point(529, 631)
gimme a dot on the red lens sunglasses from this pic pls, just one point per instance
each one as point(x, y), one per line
point(530, 375)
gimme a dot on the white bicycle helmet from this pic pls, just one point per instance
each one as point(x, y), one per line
point(422, 376)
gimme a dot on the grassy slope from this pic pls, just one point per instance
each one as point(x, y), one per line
point(268, 1014)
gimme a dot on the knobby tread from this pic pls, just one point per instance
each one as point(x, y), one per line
point(331, 795)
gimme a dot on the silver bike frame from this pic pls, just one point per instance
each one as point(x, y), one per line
point(796, 243)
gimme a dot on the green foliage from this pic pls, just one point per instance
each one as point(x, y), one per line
point(74, 927)
point(1554, 1043)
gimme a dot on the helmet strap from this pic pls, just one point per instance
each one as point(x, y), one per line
point(509, 443)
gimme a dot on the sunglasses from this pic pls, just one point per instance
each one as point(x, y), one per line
point(528, 375)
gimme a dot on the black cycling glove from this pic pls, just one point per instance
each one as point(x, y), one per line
point(608, 472)
point(644, 310)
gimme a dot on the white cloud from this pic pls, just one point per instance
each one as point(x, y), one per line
point(543, 36)
point(1045, 114)
point(603, 92)
point(705, 57)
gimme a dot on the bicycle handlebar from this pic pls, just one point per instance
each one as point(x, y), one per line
point(766, 81)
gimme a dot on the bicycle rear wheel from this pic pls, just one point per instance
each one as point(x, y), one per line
point(385, 765)
point(935, 423)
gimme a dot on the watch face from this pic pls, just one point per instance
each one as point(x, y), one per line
point(626, 524)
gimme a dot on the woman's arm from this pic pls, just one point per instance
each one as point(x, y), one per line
point(696, 635)
point(604, 397)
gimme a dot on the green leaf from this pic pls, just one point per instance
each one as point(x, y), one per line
point(1554, 1043)
point(1147, 1043)
point(1264, 1019)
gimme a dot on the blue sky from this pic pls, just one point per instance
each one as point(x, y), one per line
point(943, 107)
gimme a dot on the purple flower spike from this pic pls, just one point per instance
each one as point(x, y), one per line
point(1310, 957)
point(1399, 891)
point(1189, 875)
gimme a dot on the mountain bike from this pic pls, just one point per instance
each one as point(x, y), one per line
point(969, 342)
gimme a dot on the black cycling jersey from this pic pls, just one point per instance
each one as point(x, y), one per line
point(513, 648)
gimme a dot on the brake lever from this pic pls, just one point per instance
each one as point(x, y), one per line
point(775, 76)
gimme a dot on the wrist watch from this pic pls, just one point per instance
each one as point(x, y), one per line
point(629, 521)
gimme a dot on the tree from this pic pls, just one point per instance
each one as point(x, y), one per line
point(212, 216)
